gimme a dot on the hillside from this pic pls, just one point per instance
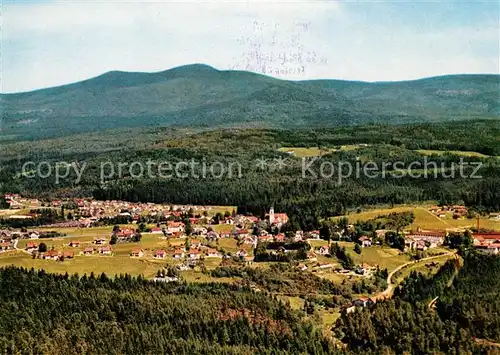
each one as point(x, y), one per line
point(201, 96)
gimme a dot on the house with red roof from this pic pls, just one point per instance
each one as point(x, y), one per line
point(178, 254)
point(195, 243)
point(88, 251)
point(242, 253)
point(137, 253)
point(100, 241)
point(105, 250)
point(51, 255)
point(488, 248)
point(68, 255)
point(160, 254)
point(324, 250)
point(280, 237)
point(212, 253)
point(31, 247)
point(194, 253)
point(175, 227)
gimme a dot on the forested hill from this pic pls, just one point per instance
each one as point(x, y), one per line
point(201, 96)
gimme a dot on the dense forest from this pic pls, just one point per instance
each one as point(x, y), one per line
point(307, 199)
point(61, 314)
point(466, 315)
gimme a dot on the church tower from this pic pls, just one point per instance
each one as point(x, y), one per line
point(271, 215)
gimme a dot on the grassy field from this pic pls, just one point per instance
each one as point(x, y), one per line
point(423, 267)
point(452, 152)
point(120, 261)
point(424, 219)
point(302, 152)
point(85, 264)
point(385, 257)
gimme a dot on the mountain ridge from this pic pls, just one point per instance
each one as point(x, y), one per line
point(198, 95)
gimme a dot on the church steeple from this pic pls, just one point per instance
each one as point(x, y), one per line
point(271, 215)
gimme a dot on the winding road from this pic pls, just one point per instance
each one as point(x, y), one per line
point(387, 293)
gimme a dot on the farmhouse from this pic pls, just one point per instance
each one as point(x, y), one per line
point(160, 254)
point(364, 302)
point(487, 243)
point(195, 243)
point(88, 251)
point(51, 255)
point(4, 246)
point(174, 227)
point(265, 238)
point(314, 234)
point(242, 253)
point(74, 244)
point(34, 235)
point(493, 248)
point(124, 234)
point(365, 241)
point(486, 238)
point(212, 253)
point(194, 253)
point(249, 240)
point(31, 247)
point(242, 233)
point(311, 255)
point(280, 237)
point(99, 241)
point(156, 230)
point(430, 239)
point(324, 250)
point(105, 250)
point(137, 253)
point(178, 254)
point(299, 236)
point(68, 255)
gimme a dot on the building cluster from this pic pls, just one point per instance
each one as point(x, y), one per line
point(488, 243)
point(456, 211)
point(423, 240)
point(16, 202)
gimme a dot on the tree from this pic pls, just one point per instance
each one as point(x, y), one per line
point(326, 231)
point(113, 240)
point(116, 228)
point(42, 248)
point(357, 248)
point(142, 227)
point(189, 228)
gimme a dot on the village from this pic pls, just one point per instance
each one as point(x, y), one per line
point(148, 239)
point(199, 237)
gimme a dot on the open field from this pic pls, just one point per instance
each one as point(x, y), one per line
point(303, 152)
point(451, 152)
point(384, 257)
point(120, 261)
point(114, 265)
point(424, 218)
point(422, 268)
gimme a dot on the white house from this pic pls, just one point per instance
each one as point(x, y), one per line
point(324, 250)
point(365, 241)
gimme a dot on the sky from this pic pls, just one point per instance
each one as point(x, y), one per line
point(49, 43)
